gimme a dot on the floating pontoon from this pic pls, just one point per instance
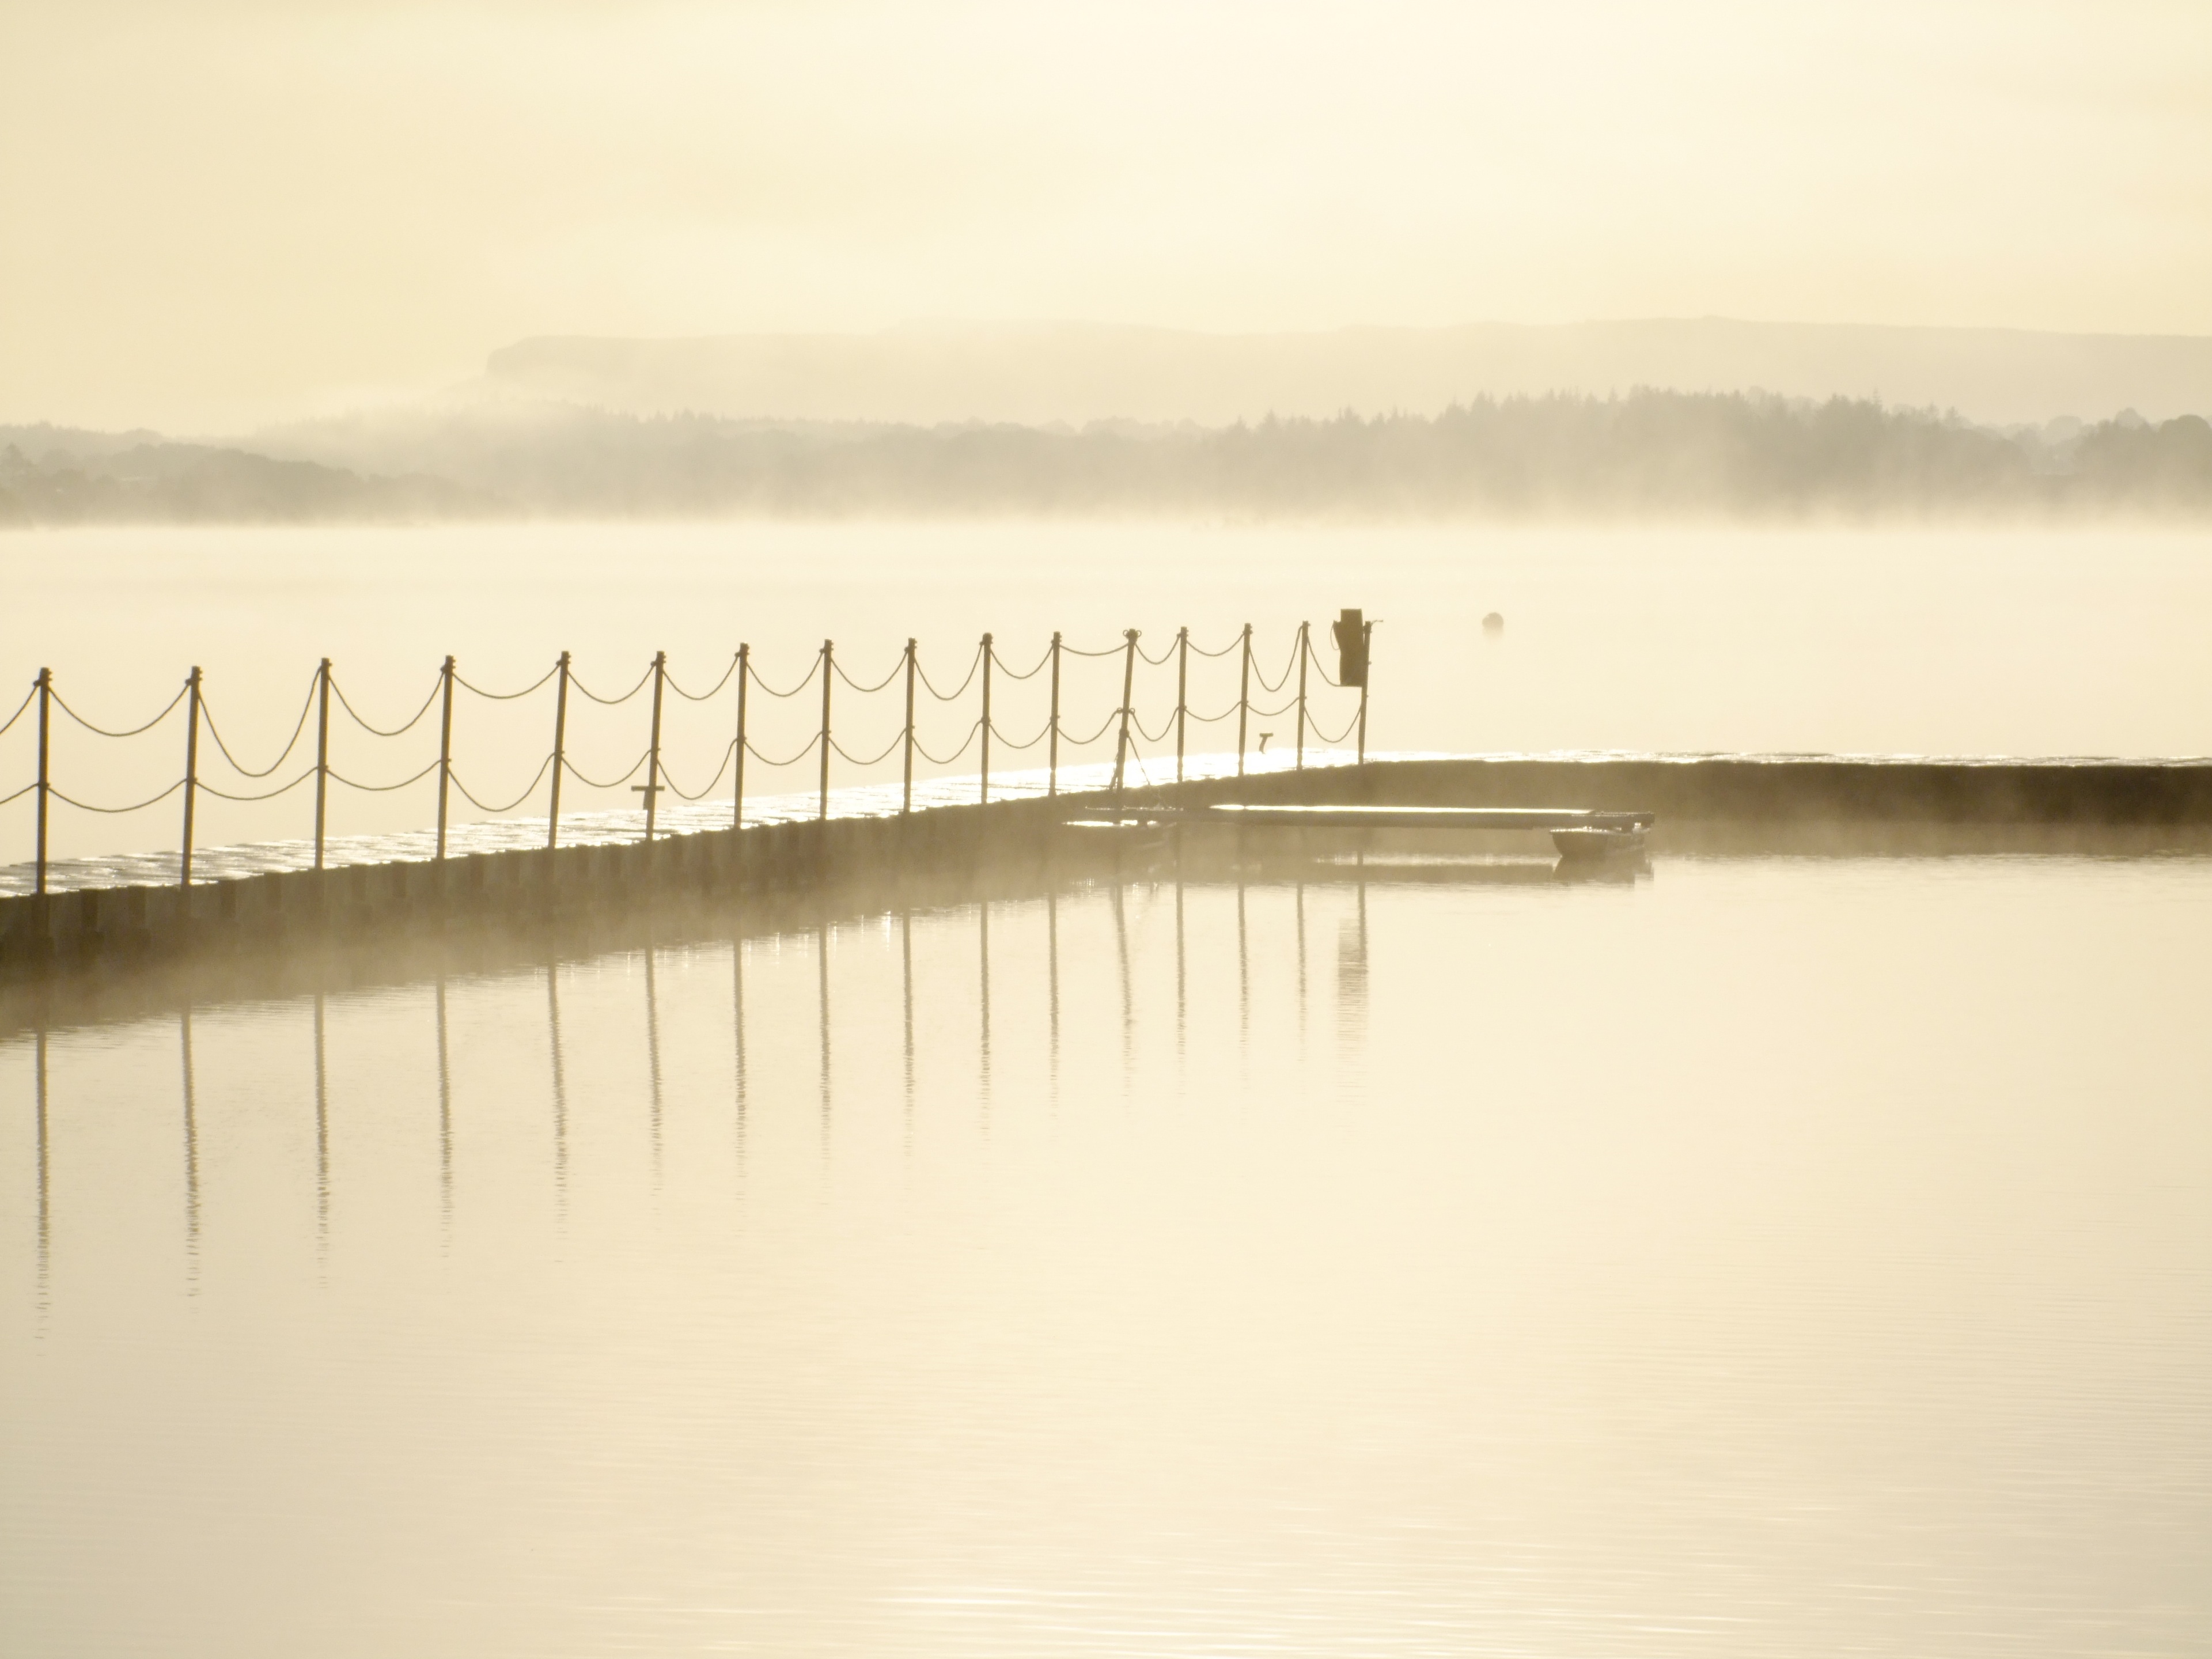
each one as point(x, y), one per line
point(1576, 832)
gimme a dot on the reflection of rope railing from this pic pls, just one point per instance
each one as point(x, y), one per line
point(1124, 724)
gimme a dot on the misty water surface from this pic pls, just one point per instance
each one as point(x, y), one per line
point(1990, 641)
point(1762, 1255)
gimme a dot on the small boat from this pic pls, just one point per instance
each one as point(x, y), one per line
point(1599, 841)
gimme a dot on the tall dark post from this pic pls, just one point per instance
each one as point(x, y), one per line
point(322, 756)
point(737, 795)
point(1052, 760)
point(987, 719)
point(829, 662)
point(192, 771)
point(1303, 652)
point(652, 744)
point(1129, 689)
point(1367, 671)
point(1183, 693)
point(45, 776)
point(1244, 699)
point(444, 750)
point(906, 799)
point(559, 754)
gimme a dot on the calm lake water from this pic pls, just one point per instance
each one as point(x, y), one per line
point(1765, 1255)
point(2089, 641)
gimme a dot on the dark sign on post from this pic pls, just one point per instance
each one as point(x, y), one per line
point(1349, 630)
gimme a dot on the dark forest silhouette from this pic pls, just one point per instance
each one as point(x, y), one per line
point(1649, 455)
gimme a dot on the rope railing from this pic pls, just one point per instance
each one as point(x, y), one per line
point(711, 692)
point(509, 696)
point(338, 691)
point(543, 767)
point(29, 697)
point(299, 725)
point(954, 694)
point(1123, 724)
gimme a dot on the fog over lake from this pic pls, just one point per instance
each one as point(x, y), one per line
point(779, 1111)
point(1943, 642)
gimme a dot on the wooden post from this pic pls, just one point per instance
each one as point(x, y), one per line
point(192, 771)
point(905, 801)
point(1128, 686)
point(45, 780)
point(1183, 693)
point(828, 663)
point(987, 719)
point(1244, 699)
point(737, 797)
point(1052, 762)
point(1304, 650)
point(445, 751)
point(560, 755)
point(652, 744)
point(322, 756)
point(1367, 638)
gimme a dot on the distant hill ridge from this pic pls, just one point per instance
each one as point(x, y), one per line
point(1039, 374)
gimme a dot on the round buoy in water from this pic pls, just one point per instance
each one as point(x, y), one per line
point(1493, 624)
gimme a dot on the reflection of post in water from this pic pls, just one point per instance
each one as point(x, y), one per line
point(737, 1035)
point(983, 963)
point(1352, 968)
point(1183, 1001)
point(192, 1148)
point(1243, 970)
point(38, 1086)
point(653, 1054)
point(560, 1088)
point(1052, 981)
point(1121, 948)
point(1301, 905)
point(445, 1117)
point(322, 1135)
point(822, 960)
point(906, 990)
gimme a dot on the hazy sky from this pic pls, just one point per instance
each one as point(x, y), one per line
point(210, 212)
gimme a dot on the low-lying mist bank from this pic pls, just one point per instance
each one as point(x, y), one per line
point(1649, 455)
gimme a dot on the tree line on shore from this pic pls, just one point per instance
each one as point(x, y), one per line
point(1648, 454)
